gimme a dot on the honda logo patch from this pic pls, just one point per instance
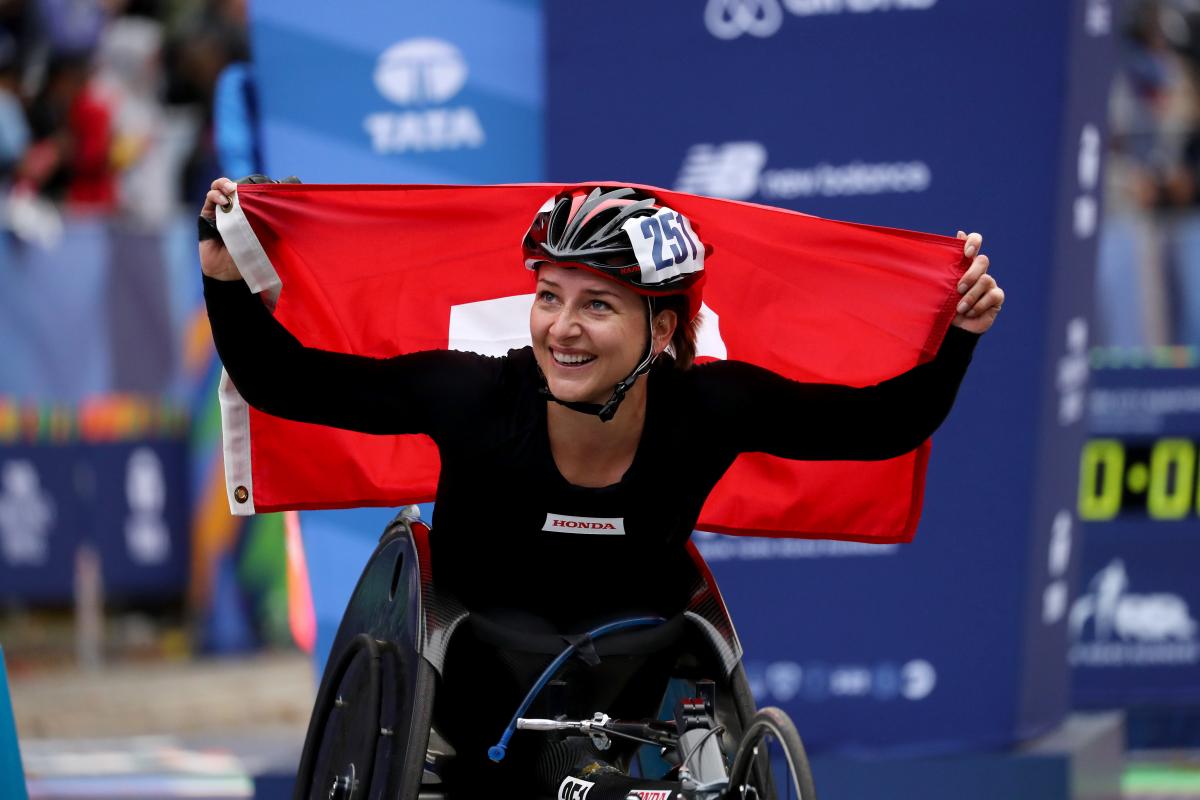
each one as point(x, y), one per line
point(605, 526)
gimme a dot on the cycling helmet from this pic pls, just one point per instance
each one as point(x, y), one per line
point(627, 236)
point(622, 234)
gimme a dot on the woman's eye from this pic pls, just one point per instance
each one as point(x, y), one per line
point(546, 297)
point(598, 305)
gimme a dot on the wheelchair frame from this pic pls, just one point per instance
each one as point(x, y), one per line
point(398, 620)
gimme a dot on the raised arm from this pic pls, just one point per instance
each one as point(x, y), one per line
point(764, 412)
point(429, 392)
point(426, 392)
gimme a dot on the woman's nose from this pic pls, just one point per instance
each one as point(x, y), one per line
point(566, 323)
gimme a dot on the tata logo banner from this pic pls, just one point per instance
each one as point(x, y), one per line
point(427, 74)
point(380, 92)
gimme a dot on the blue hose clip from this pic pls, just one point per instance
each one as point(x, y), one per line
point(497, 751)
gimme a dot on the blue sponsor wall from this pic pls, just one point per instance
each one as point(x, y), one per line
point(93, 410)
point(126, 501)
point(930, 115)
point(1135, 639)
point(381, 92)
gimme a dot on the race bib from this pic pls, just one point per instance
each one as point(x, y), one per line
point(665, 246)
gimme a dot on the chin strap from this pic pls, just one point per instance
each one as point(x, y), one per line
point(609, 409)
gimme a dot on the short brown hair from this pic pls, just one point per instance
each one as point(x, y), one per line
point(683, 340)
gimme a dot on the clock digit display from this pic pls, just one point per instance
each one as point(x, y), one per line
point(1157, 479)
point(1172, 474)
point(1101, 472)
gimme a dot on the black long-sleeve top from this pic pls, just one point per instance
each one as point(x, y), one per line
point(502, 537)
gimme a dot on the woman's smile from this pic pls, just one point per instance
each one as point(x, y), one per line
point(571, 358)
point(588, 333)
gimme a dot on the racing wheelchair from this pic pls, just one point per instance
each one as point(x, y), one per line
point(382, 726)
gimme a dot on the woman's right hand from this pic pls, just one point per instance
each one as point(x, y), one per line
point(215, 261)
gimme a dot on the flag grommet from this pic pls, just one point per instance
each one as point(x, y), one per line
point(241, 494)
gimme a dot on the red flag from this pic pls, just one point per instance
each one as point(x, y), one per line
point(377, 270)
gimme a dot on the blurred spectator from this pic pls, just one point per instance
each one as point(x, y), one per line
point(1148, 291)
point(73, 125)
point(236, 121)
point(91, 180)
point(148, 141)
point(14, 130)
point(204, 41)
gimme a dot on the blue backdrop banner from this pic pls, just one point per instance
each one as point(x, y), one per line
point(126, 500)
point(888, 113)
point(383, 92)
point(1134, 633)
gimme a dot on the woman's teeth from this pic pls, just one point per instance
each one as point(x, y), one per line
point(563, 358)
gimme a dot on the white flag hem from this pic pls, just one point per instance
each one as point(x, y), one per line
point(235, 446)
point(261, 277)
point(248, 253)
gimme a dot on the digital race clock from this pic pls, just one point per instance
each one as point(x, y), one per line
point(1156, 478)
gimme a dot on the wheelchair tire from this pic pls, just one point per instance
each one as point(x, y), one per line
point(341, 765)
point(369, 731)
point(751, 775)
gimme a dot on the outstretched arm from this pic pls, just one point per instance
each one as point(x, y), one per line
point(426, 392)
point(415, 393)
point(761, 411)
point(771, 414)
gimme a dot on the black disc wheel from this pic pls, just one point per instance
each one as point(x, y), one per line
point(369, 728)
point(338, 762)
point(770, 763)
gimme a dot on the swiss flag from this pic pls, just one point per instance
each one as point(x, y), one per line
point(383, 270)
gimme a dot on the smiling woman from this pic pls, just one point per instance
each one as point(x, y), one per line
point(642, 253)
point(599, 451)
point(594, 420)
point(587, 336)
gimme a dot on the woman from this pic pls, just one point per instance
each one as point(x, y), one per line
point(574, 470)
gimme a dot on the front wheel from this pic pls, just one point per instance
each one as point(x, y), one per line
point(771, 743)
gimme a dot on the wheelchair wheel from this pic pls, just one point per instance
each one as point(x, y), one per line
point(369, 731)
point(770, 763)
point(347, 716)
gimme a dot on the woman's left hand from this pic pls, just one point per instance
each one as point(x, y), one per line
point(981, 296)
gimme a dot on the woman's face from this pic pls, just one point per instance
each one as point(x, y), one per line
point(588, 333)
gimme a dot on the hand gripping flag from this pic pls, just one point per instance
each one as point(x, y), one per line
point(377, 270)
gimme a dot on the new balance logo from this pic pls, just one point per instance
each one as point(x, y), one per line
point(723, 170)
point(736, 170)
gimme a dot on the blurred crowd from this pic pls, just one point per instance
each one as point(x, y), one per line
point(1149, 270)
point(106, 106)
